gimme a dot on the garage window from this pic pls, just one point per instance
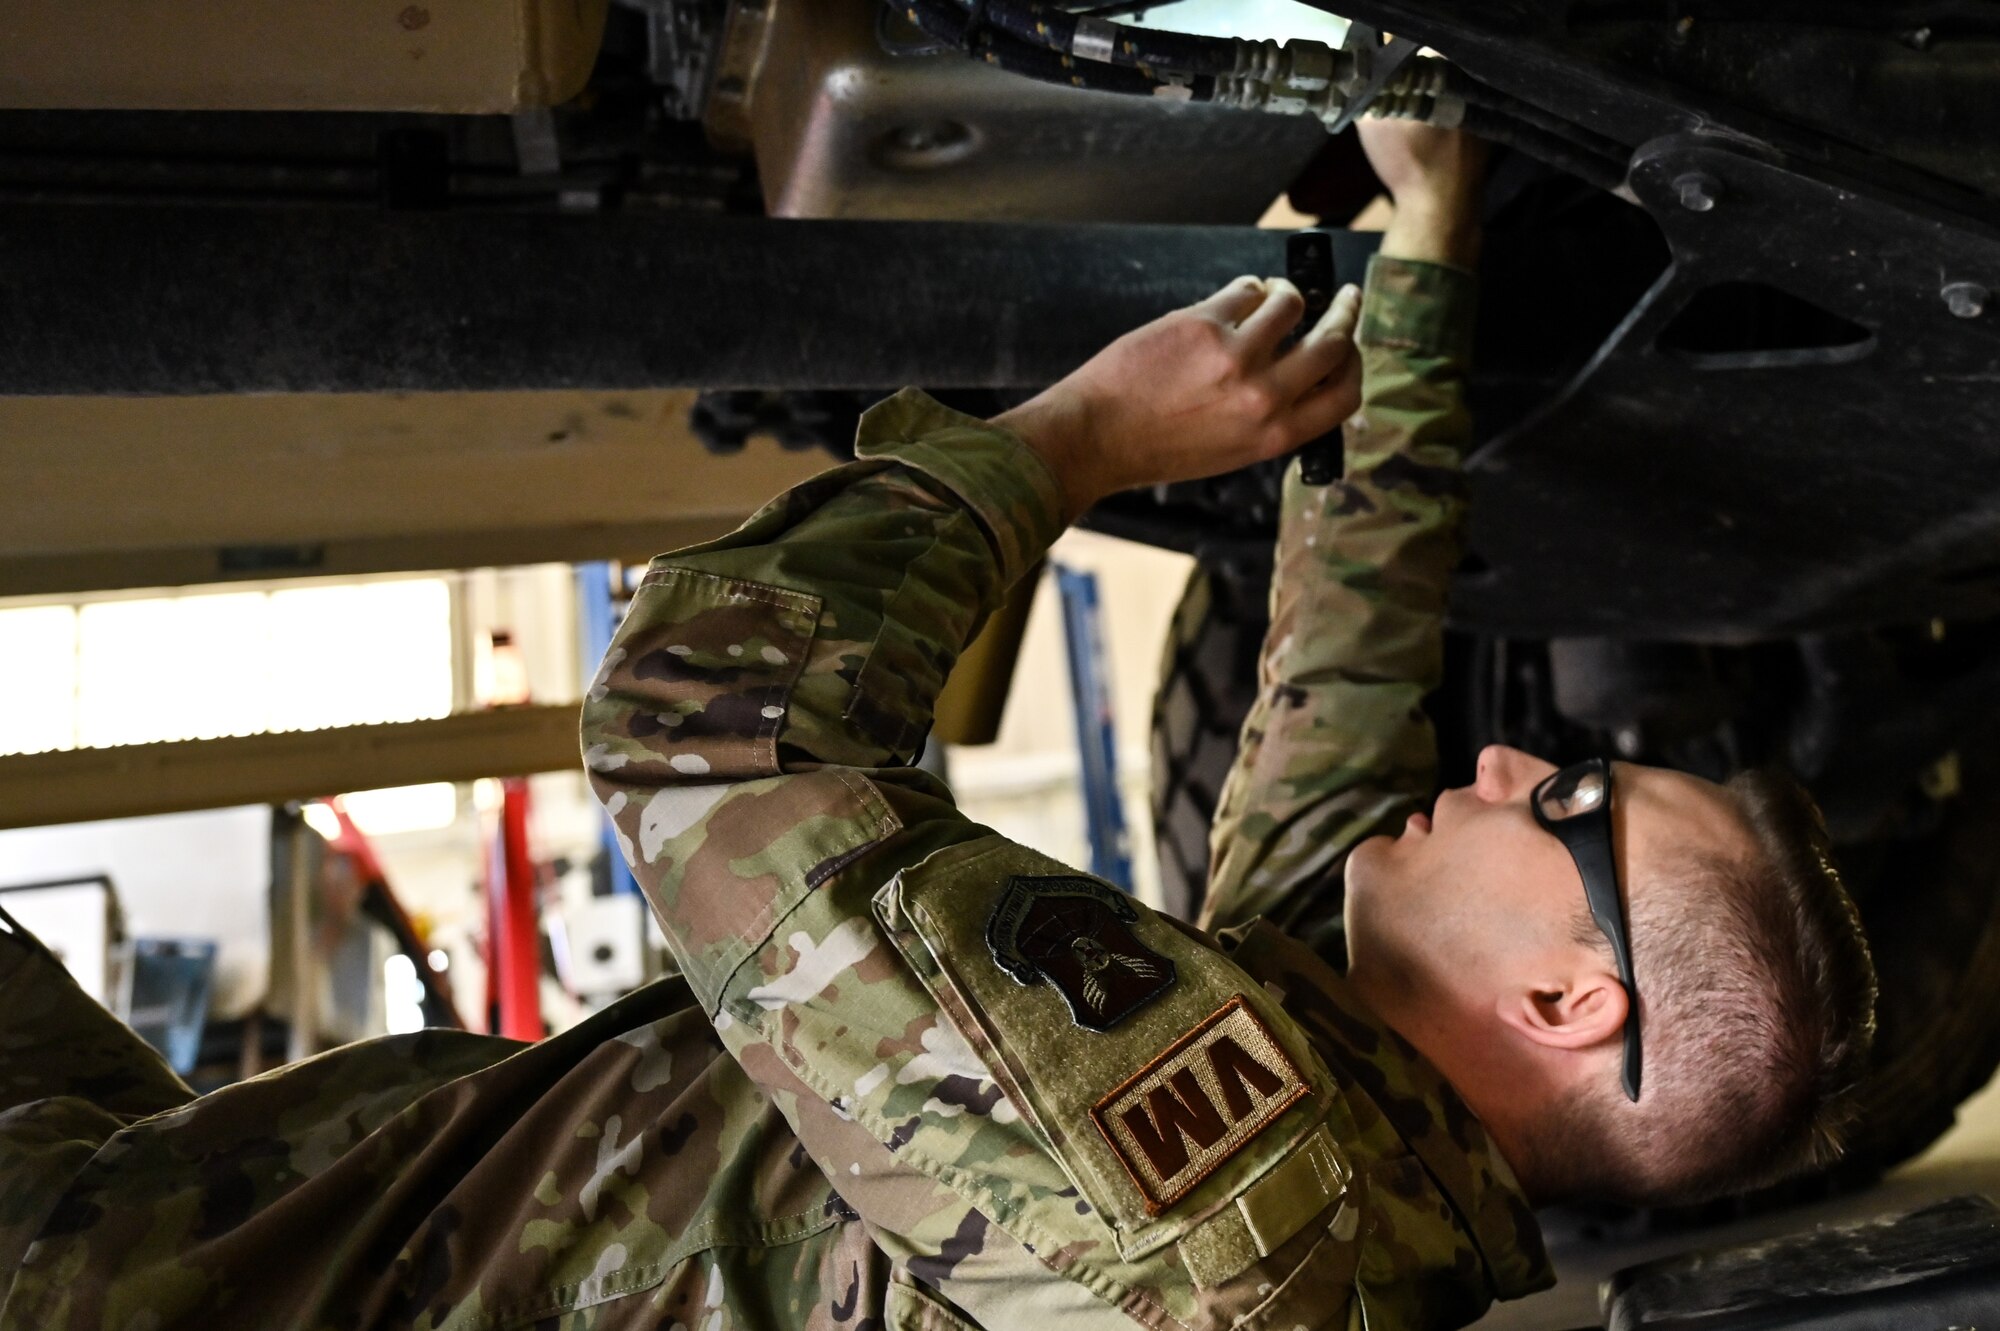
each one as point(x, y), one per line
point(210, 664)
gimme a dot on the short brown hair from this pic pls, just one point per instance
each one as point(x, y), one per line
point(1757, 1009)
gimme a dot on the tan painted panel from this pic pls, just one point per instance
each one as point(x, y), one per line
point(103, 492)
point(310, 55)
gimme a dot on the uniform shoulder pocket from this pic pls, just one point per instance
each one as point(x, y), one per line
point(1163, 1078)
point(698, 685)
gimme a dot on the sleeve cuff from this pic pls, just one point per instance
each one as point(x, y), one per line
point(1001, 480)
point(1418, 308)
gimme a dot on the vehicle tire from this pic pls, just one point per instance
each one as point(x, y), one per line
point(1208, 679)
point(1930, 901)
point(1932, 909)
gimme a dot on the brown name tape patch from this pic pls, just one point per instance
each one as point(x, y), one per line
point(1200, 1102)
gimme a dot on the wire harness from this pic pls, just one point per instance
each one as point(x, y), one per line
point(1298, 77)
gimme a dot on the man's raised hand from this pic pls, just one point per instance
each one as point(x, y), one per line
point(1198, 392)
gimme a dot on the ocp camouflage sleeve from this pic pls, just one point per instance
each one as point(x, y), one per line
point(758, 712)
point(870, 957)
point(1337, 747)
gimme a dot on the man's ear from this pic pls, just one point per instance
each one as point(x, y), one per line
point(1588, 1009)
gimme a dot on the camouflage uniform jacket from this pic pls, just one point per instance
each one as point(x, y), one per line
point(1039, 1094)
point(913, 1075)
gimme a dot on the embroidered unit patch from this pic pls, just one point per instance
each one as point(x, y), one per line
point(1198, 1103)
point(1076, 933)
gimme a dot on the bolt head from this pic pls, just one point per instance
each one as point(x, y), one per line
point(1966, 300)
point(1697, 191)
point(925, 145)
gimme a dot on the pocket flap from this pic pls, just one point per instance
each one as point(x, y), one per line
point(701, 684)
point(1165, 1080)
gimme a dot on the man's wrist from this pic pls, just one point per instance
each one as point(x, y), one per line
point(1439, 226)
point(1418, 308)
point(1055, 426)
point(1009, 488)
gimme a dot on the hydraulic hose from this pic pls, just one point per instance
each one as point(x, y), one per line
point(1043, 42)
point(1095, 39)
point(1430, 90)
point(980, 36)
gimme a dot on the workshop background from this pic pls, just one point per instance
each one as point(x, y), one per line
point(192, 664)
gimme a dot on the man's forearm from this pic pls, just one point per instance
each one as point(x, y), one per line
point(1337, 747)
point(1433, 228)
point(1435, 178)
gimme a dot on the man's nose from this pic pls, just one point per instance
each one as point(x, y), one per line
point(1507, 773)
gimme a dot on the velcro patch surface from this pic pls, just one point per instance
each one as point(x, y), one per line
point(1201, 1101)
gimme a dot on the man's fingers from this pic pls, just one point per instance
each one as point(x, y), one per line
point(1235, 302)
point(1341, 315)
point(1326, 408)
point(1324, 349)
point(1278, 315)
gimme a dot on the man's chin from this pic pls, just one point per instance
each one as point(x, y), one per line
point(1367, 864)
point(1368, 875)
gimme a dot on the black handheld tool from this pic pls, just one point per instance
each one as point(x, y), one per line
point(1309, 265)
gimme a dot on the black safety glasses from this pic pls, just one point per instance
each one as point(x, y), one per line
point(1574, 806)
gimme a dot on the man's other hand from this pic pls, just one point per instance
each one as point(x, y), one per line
point(1433, 177)
point(1198, 392)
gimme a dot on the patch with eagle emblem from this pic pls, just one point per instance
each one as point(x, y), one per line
point(1076, 933)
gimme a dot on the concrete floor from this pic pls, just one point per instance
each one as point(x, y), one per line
point(1965, 1160)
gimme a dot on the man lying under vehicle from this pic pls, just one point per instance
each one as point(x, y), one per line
point(958, 1082)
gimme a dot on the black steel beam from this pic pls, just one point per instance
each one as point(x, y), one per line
point(193, 300)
